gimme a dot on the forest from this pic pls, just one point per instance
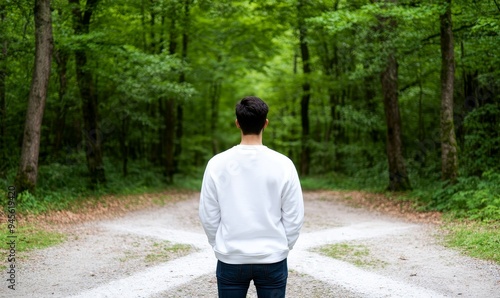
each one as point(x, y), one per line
point(102, 96)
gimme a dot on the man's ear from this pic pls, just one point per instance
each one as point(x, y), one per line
point(266, 124)
point(237, 123)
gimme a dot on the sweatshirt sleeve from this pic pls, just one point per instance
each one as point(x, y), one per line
point(209, 209)
point(292, 208)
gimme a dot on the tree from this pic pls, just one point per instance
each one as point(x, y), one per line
point(170, 105)
point(398, 177)
point(306, 91)
point(61, 57)
point(3, 108)
point(449, 156)
point(182, 80)
point(85, 79)
point(28, 167)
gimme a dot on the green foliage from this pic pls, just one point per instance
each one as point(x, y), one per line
point(473, 197)
point(371, 179)
point(208, 54)
point(139, 76)
point(62, 187)
point(482, 142)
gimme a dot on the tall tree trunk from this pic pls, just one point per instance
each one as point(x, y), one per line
point(169, 114)
point(28, 166)
point(3, 107)
point(370, 93)
point(215, 91)
point(182, 79)
point(449, 157)
point(84, 77)
point(398, 177)
point(143, 22)
point(124, 145)
point(306, 93)
point(169, 117)
point(152, 28)
point(332, 70)
point(61, 57)
point(421, 126)
point(156, 149)
point(291, 110)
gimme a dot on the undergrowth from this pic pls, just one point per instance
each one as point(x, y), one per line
point(472, 198)
point(66, 186)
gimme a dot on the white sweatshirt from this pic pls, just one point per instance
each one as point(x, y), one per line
point(251, 205)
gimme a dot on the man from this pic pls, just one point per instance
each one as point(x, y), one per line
point(252, 209)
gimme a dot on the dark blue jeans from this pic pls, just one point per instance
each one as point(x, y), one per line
point(269, 279)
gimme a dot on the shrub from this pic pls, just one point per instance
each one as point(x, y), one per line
point(472, 197)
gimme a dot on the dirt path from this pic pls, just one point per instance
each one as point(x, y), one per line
point(135, 256)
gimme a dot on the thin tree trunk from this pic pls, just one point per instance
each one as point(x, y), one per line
point(28, 166)
point(215, 90)
point(182, 79)
point(421, 127)
point(152, 29)
point(159, 149)
point(61, 57)
point(169, 117)
point(3, 107)
point(84, 77)
point(143, 22)
point(306, 94)
point(169, 114)
point(124, 145)
point(449, 157)
point(156, 149)
point(290, 109)
point(332, 69)
point(370, 95)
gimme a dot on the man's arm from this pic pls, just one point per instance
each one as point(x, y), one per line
point(209, 209)
point(292, 208)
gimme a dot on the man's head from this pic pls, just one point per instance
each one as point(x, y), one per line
point(251, 113)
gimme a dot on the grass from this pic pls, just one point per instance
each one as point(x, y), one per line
point(28, 237)
point(164, 251)
point(156, 252)
point(476, 239)
point(356, 254)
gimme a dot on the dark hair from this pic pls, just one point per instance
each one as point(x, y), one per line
point(251, 113)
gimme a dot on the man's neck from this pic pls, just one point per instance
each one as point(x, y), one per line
point(251, 139)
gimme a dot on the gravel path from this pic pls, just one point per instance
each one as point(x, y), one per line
point(135, 256)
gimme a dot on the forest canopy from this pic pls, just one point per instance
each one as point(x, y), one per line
point(385, 94)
